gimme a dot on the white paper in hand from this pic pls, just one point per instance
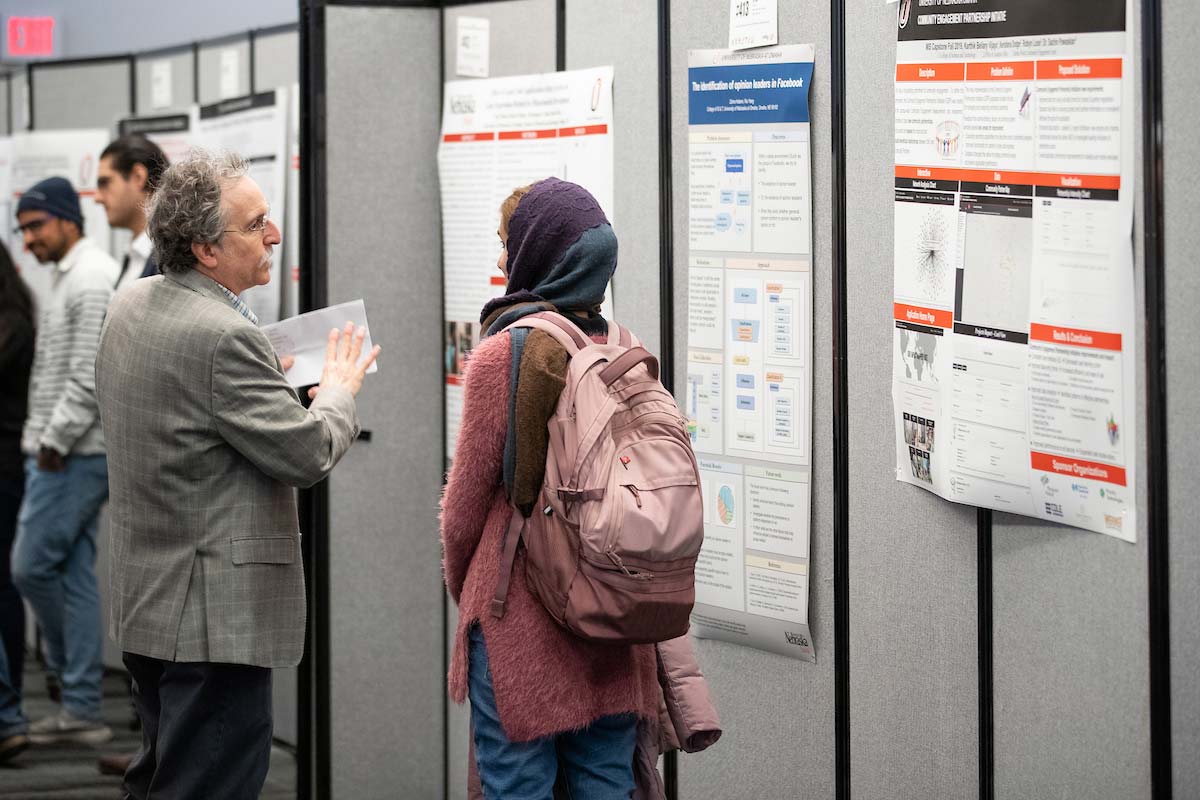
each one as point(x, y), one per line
point(306, 337)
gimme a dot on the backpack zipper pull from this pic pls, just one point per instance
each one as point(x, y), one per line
point(616, 559)
point(634, 491)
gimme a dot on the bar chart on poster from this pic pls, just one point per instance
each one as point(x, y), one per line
point(1014, 337)
point(748, 396)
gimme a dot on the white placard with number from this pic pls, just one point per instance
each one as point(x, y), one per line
point(753, 23)
point(160, 83)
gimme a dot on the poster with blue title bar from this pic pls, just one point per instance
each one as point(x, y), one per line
point(748, 395)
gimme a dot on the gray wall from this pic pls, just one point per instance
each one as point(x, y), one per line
point(532, 23)
point(1071, 633)
point(81, 95)
point(88, 28)
point(210, 68)
point(777, 713)
point(913, 662)
point(276, 60)
point(1181, 99)
point(183, 85)
point(386, 608)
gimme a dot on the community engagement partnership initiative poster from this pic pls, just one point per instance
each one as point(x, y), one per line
point(1015, 351)
point(498, 134)
point(749, 376)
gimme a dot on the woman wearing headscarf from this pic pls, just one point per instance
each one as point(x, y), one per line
point(539, 694)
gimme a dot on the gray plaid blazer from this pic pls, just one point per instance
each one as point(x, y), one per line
point(206, 440)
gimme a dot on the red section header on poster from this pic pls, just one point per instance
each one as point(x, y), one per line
point(1094, 68)
point(469, 137)
point(1075, 467)
point(934, 317)
point(1075, 337)
point(930, 72)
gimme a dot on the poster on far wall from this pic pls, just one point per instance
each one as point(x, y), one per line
point(499, 134)
point(175, 134)
point(1015, 345)
point(73, 155)
point(748, 396)
point(255, 126)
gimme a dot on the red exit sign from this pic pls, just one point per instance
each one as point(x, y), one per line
point(30, 37)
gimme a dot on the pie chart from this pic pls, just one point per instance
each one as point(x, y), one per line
point(725, 505)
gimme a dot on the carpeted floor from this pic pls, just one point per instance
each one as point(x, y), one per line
point(68, 772)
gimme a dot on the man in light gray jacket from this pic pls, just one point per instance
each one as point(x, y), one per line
point(206, 442)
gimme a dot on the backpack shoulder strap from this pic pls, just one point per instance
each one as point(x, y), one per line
point(622, 336)
point(516, 528)
point(563, 331)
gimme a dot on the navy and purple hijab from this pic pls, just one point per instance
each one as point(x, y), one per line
point(562, 252)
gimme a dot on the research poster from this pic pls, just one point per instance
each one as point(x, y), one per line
point(748, 396)
point(499, 134)
point(255, 126)
point(43, 154)
point(1014, 351)
point(174, 133)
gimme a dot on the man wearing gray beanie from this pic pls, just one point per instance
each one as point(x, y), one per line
point(53, 561)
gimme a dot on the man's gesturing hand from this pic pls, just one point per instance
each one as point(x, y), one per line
point(341, 360)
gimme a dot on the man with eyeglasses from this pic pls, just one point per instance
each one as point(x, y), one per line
point(206, 579)
point(53, 559)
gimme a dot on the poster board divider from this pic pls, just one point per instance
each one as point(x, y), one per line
point(1157, 521)
point(841, 410)
point(666, 264)
point(253, 53)
point(987, 749)
point(195, 72)
point(29, 95)
point(133, 109)
point(313, 765)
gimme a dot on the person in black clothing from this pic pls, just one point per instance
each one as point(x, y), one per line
point(16, 361)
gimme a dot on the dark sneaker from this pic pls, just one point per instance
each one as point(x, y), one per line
point(12, 746)
point(115, 764)
point(62, 727)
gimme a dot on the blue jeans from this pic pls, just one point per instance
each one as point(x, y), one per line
point(54, 566)
point(597, 761)
point(12, 615)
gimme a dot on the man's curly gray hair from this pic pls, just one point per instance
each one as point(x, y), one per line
point(186, 208)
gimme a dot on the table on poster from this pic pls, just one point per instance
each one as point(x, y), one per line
point(748, 396)
point(499, 134)
point(1015, 346)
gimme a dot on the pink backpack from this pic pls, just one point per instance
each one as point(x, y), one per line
point(611, 546)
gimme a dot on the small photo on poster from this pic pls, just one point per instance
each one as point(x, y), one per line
point(918, 432)
point(461, 338)
point(920, 464)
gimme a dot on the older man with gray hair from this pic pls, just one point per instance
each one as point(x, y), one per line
point(206, 440)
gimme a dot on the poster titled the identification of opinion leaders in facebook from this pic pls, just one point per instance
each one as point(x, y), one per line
point(748, 396)
point(499, 134)
point(1015, 346)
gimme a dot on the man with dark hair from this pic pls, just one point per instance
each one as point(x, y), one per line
point(53, 558)
point(130, 167)
point(129, 170)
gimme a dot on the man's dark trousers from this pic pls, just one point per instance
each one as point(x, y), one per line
point(206, 730)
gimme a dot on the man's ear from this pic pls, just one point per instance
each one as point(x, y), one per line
point(205, 253)
point(138, 175)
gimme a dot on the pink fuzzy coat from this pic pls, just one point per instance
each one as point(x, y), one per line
point(546, 679)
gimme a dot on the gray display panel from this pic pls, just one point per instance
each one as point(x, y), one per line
point(215, 59)
point(1181, 150)
point(777, 714)
point(91, 95)
point(1071, 635)
point(386, 596)
point(913, 653)
point(523, 41)
point(183, 83)
point(276, 60)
